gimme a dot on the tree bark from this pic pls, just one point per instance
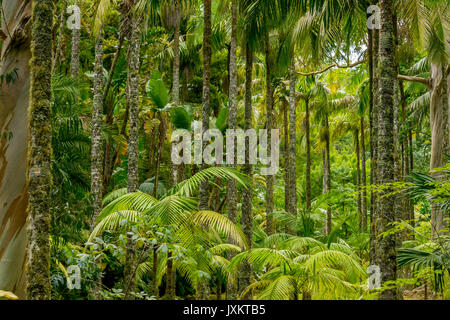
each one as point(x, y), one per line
point(292, 144)
point(308, 159)
point(363, 177)
point(247, 194)
point(97, 116)
point(358, 179)
point(437, 143)
point(133, 103)
point(60, 39)
point(373, 142)
point(76, 42)
point(14, 102)
point(203, 201)
point(269, 105)
point(232, 124)
point(133, 145)
point(327, 173)
point(40, 153)
point(385, 165)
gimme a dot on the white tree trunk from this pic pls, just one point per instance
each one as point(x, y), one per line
point(14, 101)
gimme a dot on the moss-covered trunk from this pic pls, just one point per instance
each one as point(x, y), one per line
point(247, 194)
point(133, 145)
point(386, 254)
point(76, 43)
point(97, 118)
point(203, 194)
point(363, 177)
point(270, 179)
point(232, 124)
point(39, 153)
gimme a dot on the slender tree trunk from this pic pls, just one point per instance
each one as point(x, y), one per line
point(327, 172)
point(232, 124)
point(170, 284)
point(39, 153)
point(76, 42)
point(133, 146)
point(97, 116)
point(437, 143)
point(60, 39)
point(124, 30)
point(286, 154)
point(308, 159)
point(409, 207)
point(155, 272)
point(363, 177)
point(292, 144)
point(374, 142)
point(203, 201)
point(269, 105)
point(176, 78)
point(358, 179)
point(247, 194)
point(133, 102)
point(385, 165)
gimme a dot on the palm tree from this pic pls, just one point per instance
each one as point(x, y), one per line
point(97, 115)
point(299, 266)
point(133, 137)
point(428, 22)
point(232, 124)
point(76, 43)
point(39, 153)
point(203, 201)
point(386, 258)
point(178, 210)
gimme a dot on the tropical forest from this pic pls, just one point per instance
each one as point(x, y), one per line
point(224, 150)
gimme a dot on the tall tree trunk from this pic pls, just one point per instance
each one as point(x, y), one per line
point(363, 177)
point(385, 165)
point(374, 141)
point(437, 142)
point(203, 201)
point(269, 105)
point(176, 79)
point(358, 179)
point(124, 31)
point(408, 213)
point(247, 196)
point(14, 102)
point(76, 42)
point(97, 116)
point(327, 172)
point(133, 146)
point(60, 40)
point(232, 124)
point(40, 153)
point(286, 154)
point(133, 102)
point(170, 284)
point(308, 159)
point(292, 147)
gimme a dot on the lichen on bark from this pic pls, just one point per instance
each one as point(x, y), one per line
point(39, 153)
